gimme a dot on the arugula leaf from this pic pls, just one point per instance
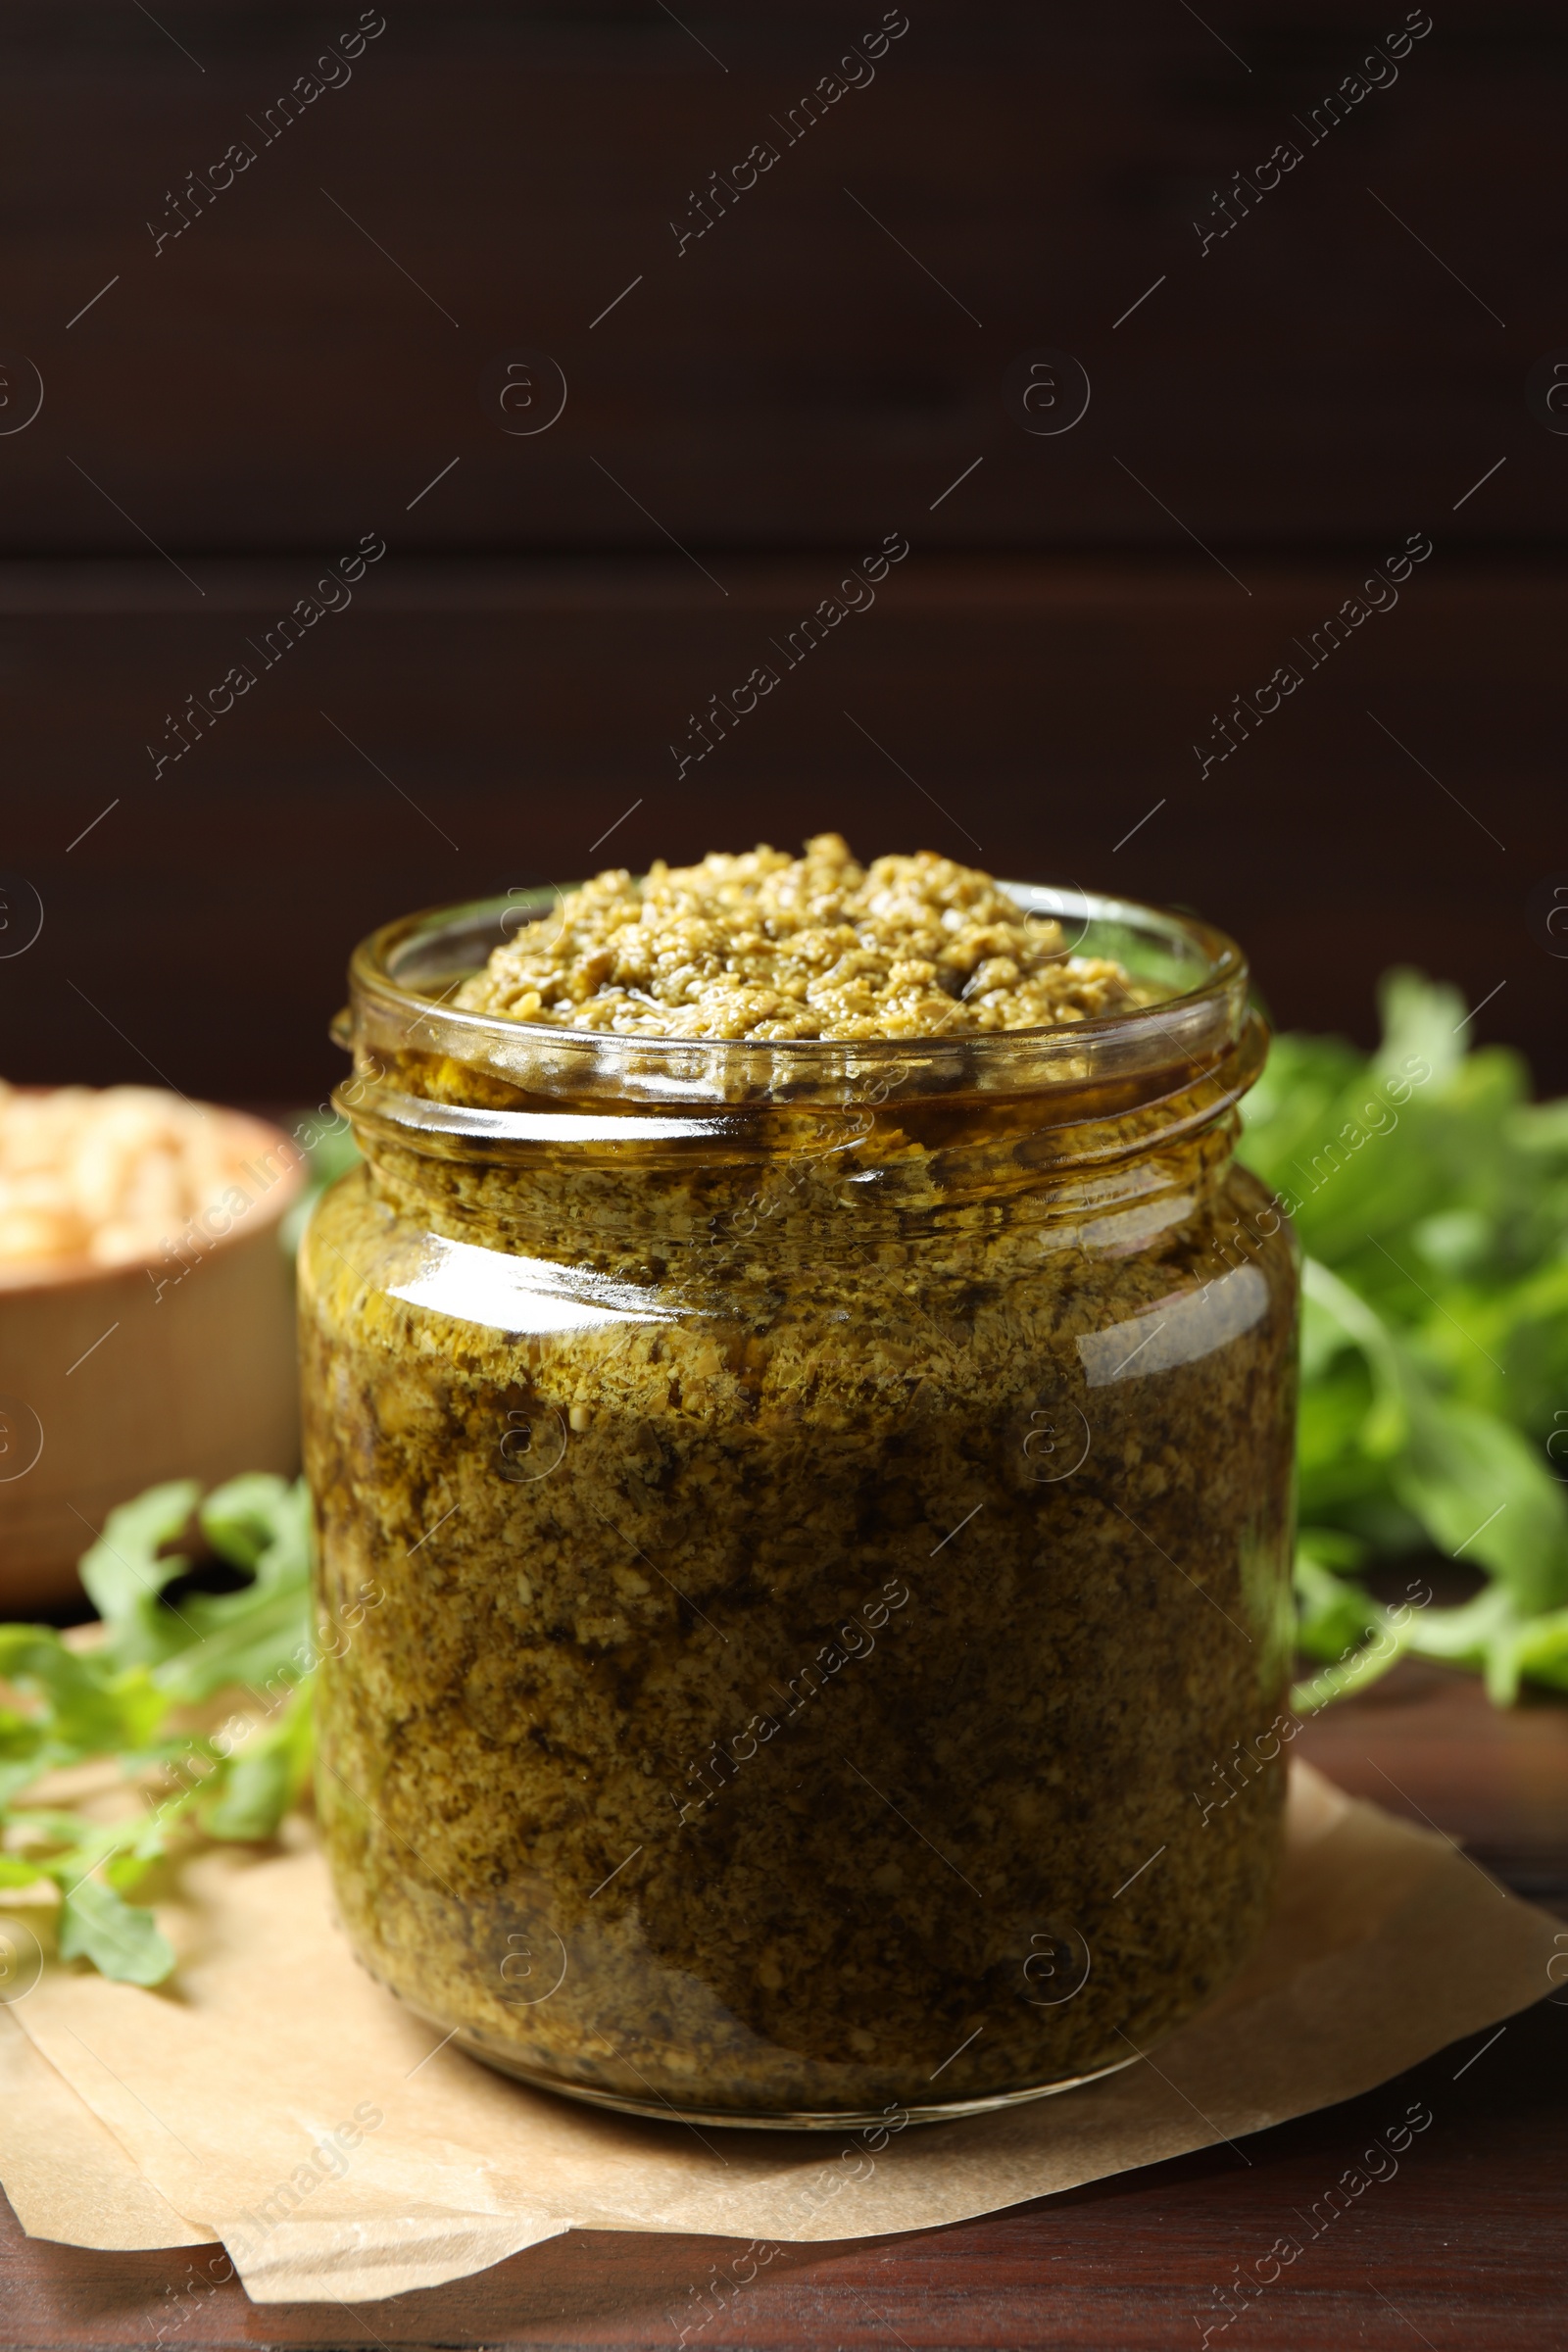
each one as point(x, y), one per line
point(89, 1706)
point(266, 1777)
point(126, 1699)
point(260, 1522)
point(1480, 1490)
point(120, 1940)
point(14, 1871)
point(128, 1568)
point(1541, 1649)
point(1430, 1196)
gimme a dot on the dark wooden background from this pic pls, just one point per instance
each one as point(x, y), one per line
point(303, 365)
point(295, 369)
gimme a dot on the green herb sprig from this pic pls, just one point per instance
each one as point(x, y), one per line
point(1430, 1198)
point(132, 1698)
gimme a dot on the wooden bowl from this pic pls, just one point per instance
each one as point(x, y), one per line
point(112, 1379)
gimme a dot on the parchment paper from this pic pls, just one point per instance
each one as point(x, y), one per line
point(273, 2096)
point(67, 2176)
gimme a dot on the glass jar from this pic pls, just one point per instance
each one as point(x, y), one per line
point(830, 1505)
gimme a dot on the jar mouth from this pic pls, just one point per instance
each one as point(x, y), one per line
point(404, 976)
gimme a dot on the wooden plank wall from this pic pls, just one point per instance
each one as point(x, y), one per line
point(298, 325)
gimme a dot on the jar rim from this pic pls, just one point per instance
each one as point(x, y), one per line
point(414, 965)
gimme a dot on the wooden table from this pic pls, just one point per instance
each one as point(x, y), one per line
point(1467, 2246)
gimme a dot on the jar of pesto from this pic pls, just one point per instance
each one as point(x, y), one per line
point(833, 1503)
